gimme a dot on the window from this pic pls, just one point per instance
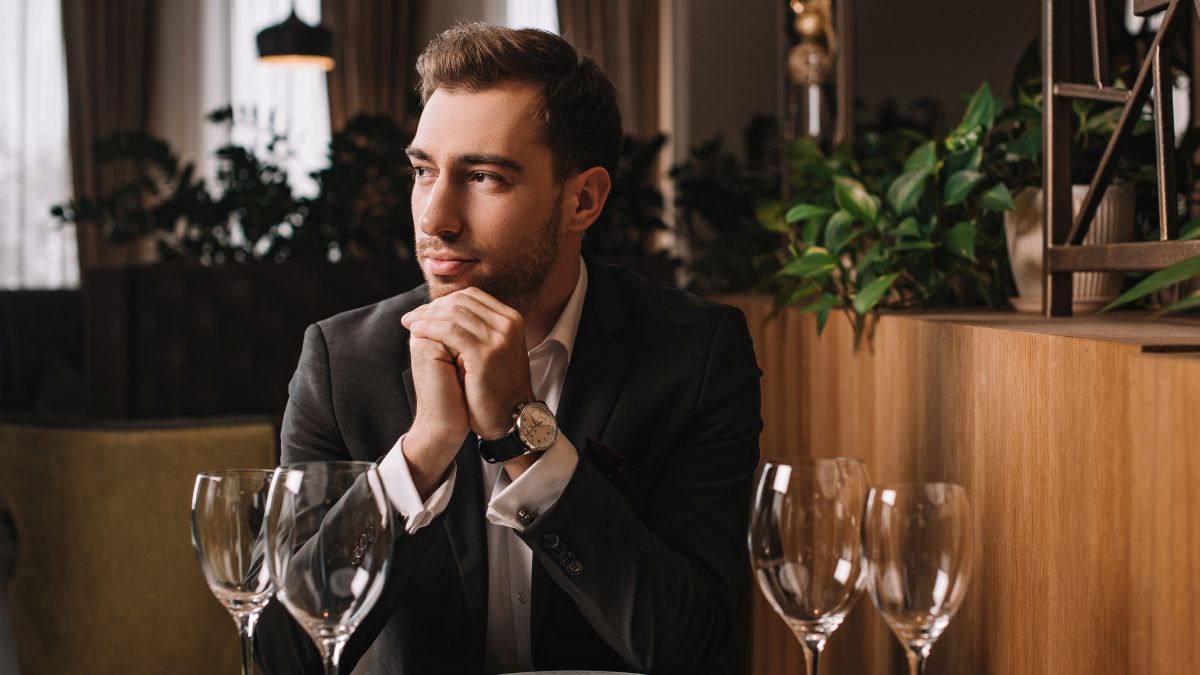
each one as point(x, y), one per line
point(35, 166)
point(541, 14)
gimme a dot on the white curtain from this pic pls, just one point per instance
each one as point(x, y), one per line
point(35, 168)
point(207, 57)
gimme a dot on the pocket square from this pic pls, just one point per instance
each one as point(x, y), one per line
point(610, 462)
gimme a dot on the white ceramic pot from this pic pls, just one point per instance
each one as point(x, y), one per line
point(1023, 229)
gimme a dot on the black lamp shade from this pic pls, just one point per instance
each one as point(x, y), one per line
point(294, 42)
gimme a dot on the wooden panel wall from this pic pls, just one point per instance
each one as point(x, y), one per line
point(1082, 459)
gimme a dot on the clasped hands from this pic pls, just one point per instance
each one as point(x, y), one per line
point(470, 370)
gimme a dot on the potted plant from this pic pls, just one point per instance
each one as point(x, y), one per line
point(897, 221)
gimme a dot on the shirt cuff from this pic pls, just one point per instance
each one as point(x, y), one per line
point(537, 489)
point(397, 480)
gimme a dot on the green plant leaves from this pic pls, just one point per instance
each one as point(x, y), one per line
point(1189, 302)
point(854, 199)
point(960, 185)
point(997, 198)
point(805, 211)
point(961, 239)
point(908, 228)
point(924, 157)
point(906, 188)
point(1190, 230)
point(815, 262)
point(872, 293)
point(1180, 271)
point(838, 232)
point(769, 215)
point(1027, 146)
point(981, 109)
point(963, 160)
point(821, 306)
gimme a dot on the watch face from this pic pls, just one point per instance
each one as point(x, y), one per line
point(537, 426)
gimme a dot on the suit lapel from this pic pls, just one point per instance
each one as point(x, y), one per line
point(593, 383)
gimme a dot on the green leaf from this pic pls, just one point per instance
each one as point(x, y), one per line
point(854, 199)
point(872, 256)
point(962, 161)
point(1190, 230)
point(812, 230)
point(906, 188)
point(815, 262)
point(821, 306)
point(1180, 271)
point(981, 109)
point(997, 198)
point(914, 245)
point(838, 232)
point(769, 215)
point(924, 157)
point(868, 297)
point(1189, 302)
point(1028, 145)
point(961, 239)
point(908, 228)
point(960, 185)
point(805, 211)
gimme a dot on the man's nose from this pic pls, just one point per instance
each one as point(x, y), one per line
point(438, 213)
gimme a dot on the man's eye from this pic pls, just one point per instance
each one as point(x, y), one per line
point(419, 172)
point(483, 177)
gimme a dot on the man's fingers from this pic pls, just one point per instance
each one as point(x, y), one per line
point(456, 337)
point(492, 303)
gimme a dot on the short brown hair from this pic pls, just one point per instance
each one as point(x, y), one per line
point(578, 119)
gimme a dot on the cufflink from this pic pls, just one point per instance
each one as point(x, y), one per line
point(526, 517)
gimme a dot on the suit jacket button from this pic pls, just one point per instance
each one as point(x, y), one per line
point(551, 540)
point(575, 568)
point(566, 558)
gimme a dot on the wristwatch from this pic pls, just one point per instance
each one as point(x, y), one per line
point(534, 430)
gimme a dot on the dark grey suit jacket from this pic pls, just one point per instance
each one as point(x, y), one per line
point(641, 564)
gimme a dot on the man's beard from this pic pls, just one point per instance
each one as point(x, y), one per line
point(518, 281)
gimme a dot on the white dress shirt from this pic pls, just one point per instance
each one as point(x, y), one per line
point(510, 561)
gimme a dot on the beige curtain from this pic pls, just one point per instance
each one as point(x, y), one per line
point(108, 48)
point(622, 37)
point(374, 45)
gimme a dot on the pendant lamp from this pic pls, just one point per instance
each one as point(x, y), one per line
point(295, 43)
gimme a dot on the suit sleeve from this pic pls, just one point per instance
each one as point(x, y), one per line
point(678, 564)
point(310, 433)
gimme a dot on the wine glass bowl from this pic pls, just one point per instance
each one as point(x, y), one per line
point(228, 510)
point(920, 550)
point(330, 534)
point(806, 543)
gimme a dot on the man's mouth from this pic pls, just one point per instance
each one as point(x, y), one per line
point(448, 266)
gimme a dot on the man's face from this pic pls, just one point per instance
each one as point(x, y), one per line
point(485, 202)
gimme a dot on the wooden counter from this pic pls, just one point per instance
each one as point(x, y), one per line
point(1079, 443)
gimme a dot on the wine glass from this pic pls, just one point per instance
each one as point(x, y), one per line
point(920, 551)
point(228, 508)
point(806, 544)
point(330, 534)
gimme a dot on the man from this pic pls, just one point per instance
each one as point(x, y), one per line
point(594, 517)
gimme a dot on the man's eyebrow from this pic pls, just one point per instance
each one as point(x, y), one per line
point(470, 158)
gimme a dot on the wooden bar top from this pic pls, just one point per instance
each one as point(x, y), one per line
point(1079, 443)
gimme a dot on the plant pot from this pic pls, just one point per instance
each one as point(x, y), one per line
point(1023, 229)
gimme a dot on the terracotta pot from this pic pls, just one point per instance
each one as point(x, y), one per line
point(1023, 229)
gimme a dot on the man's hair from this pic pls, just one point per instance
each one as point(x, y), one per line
point(578, 117)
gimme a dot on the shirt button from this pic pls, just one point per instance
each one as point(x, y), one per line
point(522, 598)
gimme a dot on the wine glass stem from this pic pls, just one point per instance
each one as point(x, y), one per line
point(916, 663)
point(812, 654)
point(332, 653)
point(246, 624)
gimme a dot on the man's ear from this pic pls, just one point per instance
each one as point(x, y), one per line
point(589, 191)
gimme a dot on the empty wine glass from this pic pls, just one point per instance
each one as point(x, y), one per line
point(920, 551)
point(228, 508)
point(330, 535)
point(806, 544)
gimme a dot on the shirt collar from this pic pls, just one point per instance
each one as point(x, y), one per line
point(564, 330)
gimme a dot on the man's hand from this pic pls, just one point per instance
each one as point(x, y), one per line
point(441, 422)
point(486, 339)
